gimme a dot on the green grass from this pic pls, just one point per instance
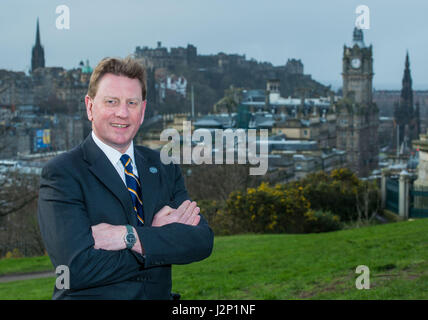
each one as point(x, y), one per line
point(311, 266)
point(36, 289)
point(23, 265)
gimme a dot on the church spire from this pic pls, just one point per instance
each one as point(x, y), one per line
point(407, 64)
point(38, 54)
point(38, 33)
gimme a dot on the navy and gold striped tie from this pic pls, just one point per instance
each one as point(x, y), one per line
point(134, 187)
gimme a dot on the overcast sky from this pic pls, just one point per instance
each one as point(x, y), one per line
point(270, 30)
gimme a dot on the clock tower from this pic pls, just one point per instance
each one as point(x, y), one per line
point(358, 70)
point(357, 116)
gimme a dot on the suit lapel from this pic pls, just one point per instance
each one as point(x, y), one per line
point(102, 168)
point(149, 179)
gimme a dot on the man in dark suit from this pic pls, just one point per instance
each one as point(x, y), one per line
point(112, 212)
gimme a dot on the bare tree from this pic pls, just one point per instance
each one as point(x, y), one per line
point(216, 182)
point(17, 191)
point(368, 202)
point(18, 214)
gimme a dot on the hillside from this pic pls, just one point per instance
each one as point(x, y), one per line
point(308, 266)
point(211, 83)
point(313, 266)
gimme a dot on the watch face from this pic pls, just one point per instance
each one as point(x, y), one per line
point(355, 63)
point(130, 238)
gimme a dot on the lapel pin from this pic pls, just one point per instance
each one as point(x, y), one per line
point(153, 170)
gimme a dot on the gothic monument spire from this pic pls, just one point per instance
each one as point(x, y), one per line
point(406, 90)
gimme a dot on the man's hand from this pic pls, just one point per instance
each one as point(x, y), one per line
point(109, 237)
point(186, 213)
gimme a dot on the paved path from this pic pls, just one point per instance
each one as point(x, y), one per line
point(27, 276)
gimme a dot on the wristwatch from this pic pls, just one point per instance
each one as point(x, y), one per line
point(129, 238)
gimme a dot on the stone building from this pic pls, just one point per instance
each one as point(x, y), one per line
point(16, 88)
point(357, 117)
point(294, 66)
point(160, 57)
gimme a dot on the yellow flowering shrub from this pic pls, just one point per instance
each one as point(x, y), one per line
point(318, 203)
point(266, 208)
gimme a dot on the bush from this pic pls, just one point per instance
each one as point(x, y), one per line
point(15, 253)
point(321, 221)
point(335, 192)
point(266, 209)
point(320, 202)
point(212, 211)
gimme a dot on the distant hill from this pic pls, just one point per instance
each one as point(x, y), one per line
point(211, 75)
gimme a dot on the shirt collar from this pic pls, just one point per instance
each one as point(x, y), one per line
point(112, 154)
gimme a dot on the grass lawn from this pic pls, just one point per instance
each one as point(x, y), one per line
point(310, 266)
point(23, 265)
point(36, 289)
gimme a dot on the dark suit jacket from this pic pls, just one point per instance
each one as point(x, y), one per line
point(81, 188)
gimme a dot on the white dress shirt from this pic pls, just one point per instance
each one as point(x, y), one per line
point(114, 156)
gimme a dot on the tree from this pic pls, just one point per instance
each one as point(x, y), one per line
point(368, 202)
point(16, 191)
point(19, 229)
point(216, 182)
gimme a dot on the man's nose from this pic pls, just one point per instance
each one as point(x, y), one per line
point(122, 110)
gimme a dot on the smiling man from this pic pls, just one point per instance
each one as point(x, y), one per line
point(112, 212)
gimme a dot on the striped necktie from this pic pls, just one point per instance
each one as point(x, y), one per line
point(134, 187)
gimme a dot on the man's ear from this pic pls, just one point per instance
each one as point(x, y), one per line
point(89, 104)
point(143, 111)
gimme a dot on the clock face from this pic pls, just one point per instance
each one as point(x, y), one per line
point(355, 63)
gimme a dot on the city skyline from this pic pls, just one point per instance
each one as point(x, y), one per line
point(312, 32)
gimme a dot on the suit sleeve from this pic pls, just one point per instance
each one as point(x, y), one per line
point(176, 243)
point(67, 234)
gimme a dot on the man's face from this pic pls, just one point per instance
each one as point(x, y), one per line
point(117, 110)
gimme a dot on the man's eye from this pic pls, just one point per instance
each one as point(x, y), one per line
point(132, 103)
point(111, 101)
